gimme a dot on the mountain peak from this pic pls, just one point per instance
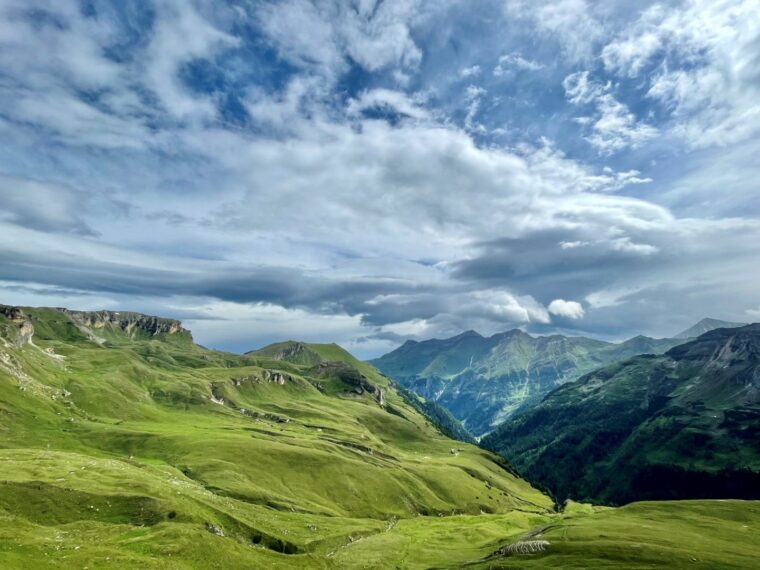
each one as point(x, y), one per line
point(466, 334)
point(705, 325)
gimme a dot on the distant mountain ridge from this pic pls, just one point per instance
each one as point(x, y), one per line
point(483, 381)
point(707, 325)
point(683, 425)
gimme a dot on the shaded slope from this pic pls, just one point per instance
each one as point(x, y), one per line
point(483, 381)
point(682, 425)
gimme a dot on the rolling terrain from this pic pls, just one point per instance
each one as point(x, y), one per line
point(484, 381)
point(684, 425)
point(125, 445)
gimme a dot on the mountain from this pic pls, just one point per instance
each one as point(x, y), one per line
point(123, 444)
point(483, 381)
point(683, 425)
point(314, 354)
point(707, 325)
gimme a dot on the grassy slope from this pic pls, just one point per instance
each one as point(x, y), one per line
point(117, 457)
point(101, 440)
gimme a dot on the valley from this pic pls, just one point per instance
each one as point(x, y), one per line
point(485, 381)
point(681, 425)
point(126, 445)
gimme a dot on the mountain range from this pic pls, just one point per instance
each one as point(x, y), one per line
point(483, 381)
point(126, 445)
point(706, 325)
point(685, 424)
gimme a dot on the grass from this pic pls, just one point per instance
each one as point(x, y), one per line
point(668, 534)
point(139, 453)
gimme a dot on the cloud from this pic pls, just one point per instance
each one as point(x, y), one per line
point(570, 23)
point(42, 206)
point(472, 71)
point(515, 61)
point(180, 35)
point(566, 309)
point(614, 127)
point(293, 165)
point(701, 67)
point(389, 101)
point(375, 35)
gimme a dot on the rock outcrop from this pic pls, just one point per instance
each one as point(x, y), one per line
point(355, 380)
point(270, 376)
point(24, 326)
point(127, 322)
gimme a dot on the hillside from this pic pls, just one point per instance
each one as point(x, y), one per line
point(483, 381)
point(125, 445)
point(681, 425)
point(120, 434)
point(319, 354)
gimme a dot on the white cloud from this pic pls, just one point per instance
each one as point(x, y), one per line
point(376, 35)
point(181, 34)
point(396, 101)
point(473, 96)
point(571, 23)
point(567, 309)
point(579, 89)
point(503, 306)
point(473, 71)
point(614, 127)
point(515, 61)
point(705, 67)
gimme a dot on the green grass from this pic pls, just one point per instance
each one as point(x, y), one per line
point(130, 455)
point(683, 534)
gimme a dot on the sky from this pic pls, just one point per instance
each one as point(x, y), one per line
point(372, 171)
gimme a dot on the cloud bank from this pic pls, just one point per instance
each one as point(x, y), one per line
point(375, 171)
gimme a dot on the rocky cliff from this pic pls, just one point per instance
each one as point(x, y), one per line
point(24, 329)
point(128, 322)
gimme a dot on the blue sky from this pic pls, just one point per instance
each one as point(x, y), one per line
point(371, 171)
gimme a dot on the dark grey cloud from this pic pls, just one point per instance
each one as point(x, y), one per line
point(552, 264)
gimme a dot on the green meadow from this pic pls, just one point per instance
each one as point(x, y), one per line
point(123, 449)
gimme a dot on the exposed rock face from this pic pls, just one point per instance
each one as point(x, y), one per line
point(25, 327)
point(276, 377)
point(271, 376)
point(351, 377)
point(126, 321)
point(214, 529)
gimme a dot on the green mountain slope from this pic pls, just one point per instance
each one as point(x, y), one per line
point(682, 425)
point(483, 381)
point(129, 417)
point(124, 445)
point(319, 354)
